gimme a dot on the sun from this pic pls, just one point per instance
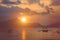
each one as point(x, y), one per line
point(23, 19)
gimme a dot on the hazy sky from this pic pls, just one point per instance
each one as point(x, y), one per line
point(48, 10)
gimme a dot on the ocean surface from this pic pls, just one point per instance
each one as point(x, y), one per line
point(30, 34)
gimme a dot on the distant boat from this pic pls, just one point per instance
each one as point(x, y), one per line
point(43, 30)
point(58, 31)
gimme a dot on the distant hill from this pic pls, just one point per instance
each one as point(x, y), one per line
point(55, 25)
point(34, 25)
point(9, 23)
point(16, 23)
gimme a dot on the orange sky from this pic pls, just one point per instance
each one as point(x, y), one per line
point(43, 19)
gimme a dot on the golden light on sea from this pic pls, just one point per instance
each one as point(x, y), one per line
point(23, 34)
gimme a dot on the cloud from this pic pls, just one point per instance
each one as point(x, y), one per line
point(10, 2)
point(46, 2)
point(0, 1)
point(55, 2)
point(33, 1)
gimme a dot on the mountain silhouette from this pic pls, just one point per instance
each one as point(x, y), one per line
point(34, 25)
point(55, 25)
point(16, 23)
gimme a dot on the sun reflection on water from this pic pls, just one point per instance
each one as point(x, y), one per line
point(23, 35)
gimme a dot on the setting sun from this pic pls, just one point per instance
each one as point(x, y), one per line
point(23, 19)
